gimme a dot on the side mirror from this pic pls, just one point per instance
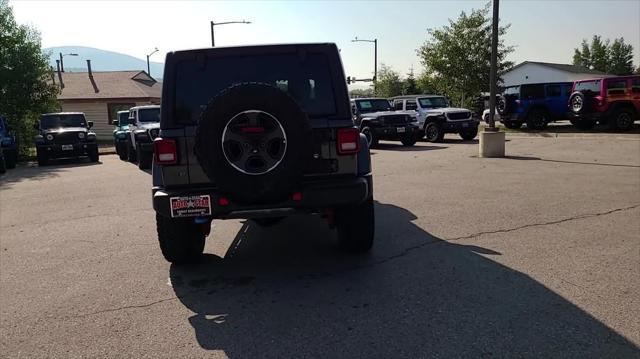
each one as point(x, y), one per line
point(116, 122)
point(89, 124)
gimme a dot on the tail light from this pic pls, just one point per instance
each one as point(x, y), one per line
point(165, 151)
point(348, 141)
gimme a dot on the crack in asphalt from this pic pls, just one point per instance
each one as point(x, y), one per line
point(404, 252)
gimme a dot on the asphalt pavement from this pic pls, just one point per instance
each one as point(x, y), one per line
point(529, 256)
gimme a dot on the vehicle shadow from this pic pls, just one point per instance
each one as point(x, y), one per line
point(567, 127)
point(399, 147)
point(31, 171)
point(286, 292)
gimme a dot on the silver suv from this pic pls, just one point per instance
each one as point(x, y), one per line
point(144, 127)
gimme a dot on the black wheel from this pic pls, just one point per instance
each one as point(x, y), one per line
point(578, 102)
point(370, 134)
point(3, 165)
point(433, 132)
point(537, 119)
point(512, 124)
point(268, 222)
point(131, 153)
point(11, 158)
point(144, 159)
point(408, 141)
point(94, 155)
point(356, 227)
point(43, 158)
point(621, 119)
point(253, 140)
point(502, 105)
point(121, 150)
point(181, 240)
point(583, 124)
point(469, 135)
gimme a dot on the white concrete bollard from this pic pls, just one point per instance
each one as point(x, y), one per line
point(491, 144)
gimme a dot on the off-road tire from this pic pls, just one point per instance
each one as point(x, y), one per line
point(578, 102)
point(94, 155)
point(144, 159)
point(409, 141)
point(42, 158)
point(513, 125)
point(356, 227)
point(371, 136)
point(11, 158)
point(121, 150)
point(279, 181)
point(469, 135)
point(621, 119)
point(181, 240)
point(537, 119)
point(502, 105)
point(131, 153)
point(3, 165)
point(433, 132)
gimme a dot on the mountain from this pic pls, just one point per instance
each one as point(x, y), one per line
point(101, 60)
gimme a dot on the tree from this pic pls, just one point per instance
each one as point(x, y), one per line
point(410, 85)
point(389, 83)
point(457, 57)
point(25, 87)
point(615, 58)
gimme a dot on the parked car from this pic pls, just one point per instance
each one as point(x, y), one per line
point(614, 101)
point(486, 114)
point(261, 144)
point(435, 117)
point(144, 127)
point(534, 104)
point(65, 135)
point(120, 133)
point(377, 120)
point(9, 144)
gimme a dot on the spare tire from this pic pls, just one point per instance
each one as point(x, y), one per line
point(251, 141)
point(502, 105)
point(578, 102)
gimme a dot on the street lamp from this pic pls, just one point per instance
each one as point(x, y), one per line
point(61, 62)
point(375, 59)
point(149, 68)
point(213, 43)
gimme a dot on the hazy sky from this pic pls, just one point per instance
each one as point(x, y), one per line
point(543, 30)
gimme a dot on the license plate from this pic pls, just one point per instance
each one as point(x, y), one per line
point(190, 206)
point(400, 129)
point(465, 124)
point(67, 147)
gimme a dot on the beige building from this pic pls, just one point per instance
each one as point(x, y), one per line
point(101, 94)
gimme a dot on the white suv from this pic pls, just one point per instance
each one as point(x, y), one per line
point(144, 127)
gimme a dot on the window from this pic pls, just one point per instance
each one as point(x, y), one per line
point(373, 105)
point(635, 85)
point(616, 87)
point(433, 102)
point(411, 105)
point(113, 109)
point(532, 92)
point(397, 105)
point(588, 86)
point(553, 91)
point(64, 120)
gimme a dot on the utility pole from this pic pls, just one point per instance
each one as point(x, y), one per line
point(213, 41)
point(375, 59)
point(148, 67)
point(62, 62)
point(493, 78)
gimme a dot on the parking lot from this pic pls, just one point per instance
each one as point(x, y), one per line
point(533, 255)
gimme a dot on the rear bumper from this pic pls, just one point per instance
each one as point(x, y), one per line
point(316, 196)
point(457, 126)
point(56, 151)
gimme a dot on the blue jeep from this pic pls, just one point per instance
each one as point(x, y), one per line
point(9, 144)
point(534, 104)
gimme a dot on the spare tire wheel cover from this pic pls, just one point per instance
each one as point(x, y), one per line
point(251, 142)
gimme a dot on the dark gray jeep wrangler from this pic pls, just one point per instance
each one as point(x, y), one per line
point(258, 132)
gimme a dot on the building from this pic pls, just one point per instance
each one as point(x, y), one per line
point(100, 95)
point(537, 72)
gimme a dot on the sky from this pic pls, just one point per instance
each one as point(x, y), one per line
point(542, 30)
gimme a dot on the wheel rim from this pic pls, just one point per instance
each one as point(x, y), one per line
point(431, 132)
point(576, 104)
point(623, 120)
point(254, 142)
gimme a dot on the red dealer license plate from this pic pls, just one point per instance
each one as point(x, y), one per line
point(190, 206)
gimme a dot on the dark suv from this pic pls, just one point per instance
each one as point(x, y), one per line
point(63, 135)
point(614, 101)
point(258, 132)
point(377, 120)
point(534, 104)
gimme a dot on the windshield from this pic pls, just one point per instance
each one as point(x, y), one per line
point(123, 119)
point(306, 78)
point(433, 102)
point(590, 86)
point(374, 105)
point(55, 121)
point(149, 114)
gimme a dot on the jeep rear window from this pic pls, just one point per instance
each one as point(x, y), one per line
point(307, 79)
point(592, 86)
point(55, 121)
point(149, 115)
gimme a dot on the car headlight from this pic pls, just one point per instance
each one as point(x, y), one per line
point(49, 137)
point(81, 135)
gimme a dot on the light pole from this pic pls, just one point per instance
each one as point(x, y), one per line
point(213, 42)
point(375, 59)
point(149, 68)
point(61, 62)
